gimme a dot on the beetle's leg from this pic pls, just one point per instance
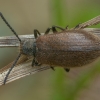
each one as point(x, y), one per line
point(36, 33)
point(52, 68)
point(53, 28)
point(77, 26)
point(67, 69)
point(58, 28)
point(67, 27)
point(48, 30)
point(34, 62)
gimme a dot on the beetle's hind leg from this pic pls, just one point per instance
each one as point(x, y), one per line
point(53, 28)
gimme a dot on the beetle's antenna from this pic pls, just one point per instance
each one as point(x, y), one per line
point(11, 68)
point(9, 26)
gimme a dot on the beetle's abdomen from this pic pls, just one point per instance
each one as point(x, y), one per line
point(71, 48)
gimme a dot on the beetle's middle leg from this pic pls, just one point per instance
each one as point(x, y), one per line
point(53, 28)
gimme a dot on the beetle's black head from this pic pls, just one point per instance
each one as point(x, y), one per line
point(28, 48)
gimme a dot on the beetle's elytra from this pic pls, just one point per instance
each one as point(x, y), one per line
point(72, 48)
point(68, 48)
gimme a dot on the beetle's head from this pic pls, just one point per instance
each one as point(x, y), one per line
point(28, 48)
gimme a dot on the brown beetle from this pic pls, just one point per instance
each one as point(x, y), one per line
point(68, 48)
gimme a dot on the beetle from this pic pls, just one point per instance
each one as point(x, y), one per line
point(67, 48)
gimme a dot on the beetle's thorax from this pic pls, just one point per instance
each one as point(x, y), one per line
point(28, 47)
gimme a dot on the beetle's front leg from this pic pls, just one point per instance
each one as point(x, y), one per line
point(35, 62)
point(36, 33)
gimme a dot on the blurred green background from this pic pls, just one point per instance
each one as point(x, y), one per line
point(25, 16)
